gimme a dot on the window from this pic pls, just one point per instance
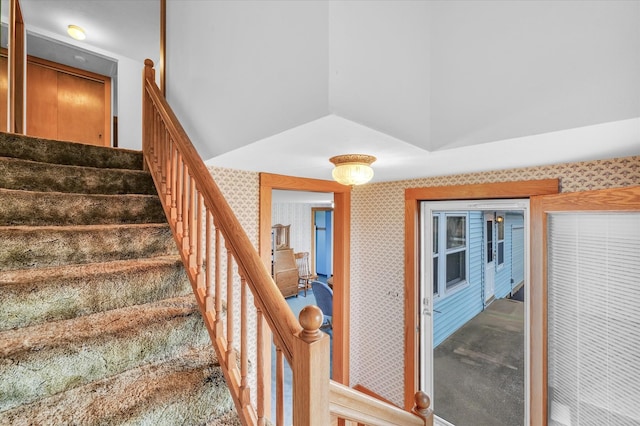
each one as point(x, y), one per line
point(500, 229)
point(449, 253)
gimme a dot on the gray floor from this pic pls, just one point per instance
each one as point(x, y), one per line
point(479, 370)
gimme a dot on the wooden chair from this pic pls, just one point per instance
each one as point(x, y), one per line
point(304, 271)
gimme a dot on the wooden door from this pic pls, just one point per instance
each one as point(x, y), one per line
point(608, 204)
point(4, 90)
point(68, 104)
point(81, 105)
point(42, 101)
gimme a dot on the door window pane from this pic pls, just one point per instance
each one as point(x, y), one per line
point(489, 241)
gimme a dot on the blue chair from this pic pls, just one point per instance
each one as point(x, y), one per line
point(324, 300)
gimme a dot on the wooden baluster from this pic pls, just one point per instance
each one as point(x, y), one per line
point(279, 387)
point(156, 120)
point(422, 407)
point(174, 183)
point(179, 192)
point(231, 359)
point(193, 206)
point(260, 368)
point(208, 301)
point(163, 162)
point(168, 173)
point(244, 348)
point(311, 370)
point(199, 251)
point(186, 211)
point(218, 299)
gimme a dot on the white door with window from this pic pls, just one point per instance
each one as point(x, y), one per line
point(444, 230)
point(489, 257)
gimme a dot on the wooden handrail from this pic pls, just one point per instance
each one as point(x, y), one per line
point(274, 308)
point(350, 404)
point(211, 241)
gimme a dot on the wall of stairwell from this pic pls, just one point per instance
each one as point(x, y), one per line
point(377, 284)
point(379, 367)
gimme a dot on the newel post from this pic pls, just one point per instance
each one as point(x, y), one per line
point(311, 371)
point(148, 73)
point(422, 407)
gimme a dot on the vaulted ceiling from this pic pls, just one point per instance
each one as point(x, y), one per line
point(428, 87)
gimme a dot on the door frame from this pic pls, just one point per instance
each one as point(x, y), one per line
point(341, 253)
point(413, 197)
point(616, 199)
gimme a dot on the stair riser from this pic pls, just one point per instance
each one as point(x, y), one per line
point(68, 153)
point(23, 208)
point(29, 376)
point(22, 248)
point(61, 297)
point(46, 177)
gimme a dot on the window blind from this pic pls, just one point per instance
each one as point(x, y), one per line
point(594, 319)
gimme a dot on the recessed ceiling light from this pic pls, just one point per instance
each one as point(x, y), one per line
point(76, 32)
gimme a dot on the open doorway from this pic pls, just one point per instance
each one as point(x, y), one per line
point(341, 250)
point(473, 332)
point(413, 304)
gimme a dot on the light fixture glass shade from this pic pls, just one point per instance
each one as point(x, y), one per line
point(352, 169)
point(76, 32)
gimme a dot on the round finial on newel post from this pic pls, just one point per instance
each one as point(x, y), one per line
point(310, 319)
point(149, 72)
point(423, 402)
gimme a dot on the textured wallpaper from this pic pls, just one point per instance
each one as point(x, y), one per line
point(377, 259)
point(377, 251)
point(241, 189)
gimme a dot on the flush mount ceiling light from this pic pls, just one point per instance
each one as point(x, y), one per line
point(76, 32)
point(352, 169)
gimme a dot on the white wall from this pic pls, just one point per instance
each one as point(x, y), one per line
point(379, 66)
point(238, 71)
point(505, 69)
point(129, 103)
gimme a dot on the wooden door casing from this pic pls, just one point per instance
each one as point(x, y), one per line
point(605, 200)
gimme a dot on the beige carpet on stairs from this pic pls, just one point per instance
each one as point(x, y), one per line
point(98, 323)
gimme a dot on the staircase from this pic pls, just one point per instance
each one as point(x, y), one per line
point(98, 322)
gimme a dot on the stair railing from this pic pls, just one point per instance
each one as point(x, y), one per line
point(223, 265)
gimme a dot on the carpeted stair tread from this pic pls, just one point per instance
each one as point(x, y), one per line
point(32, 296)
point(69, 153)
point(45, 359)
point(54, 208)
point(98, 323)
point(23, 247)
point(56, 333)
point(46, 177)
point(189, 390)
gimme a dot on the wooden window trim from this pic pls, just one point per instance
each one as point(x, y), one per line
point(413, 197)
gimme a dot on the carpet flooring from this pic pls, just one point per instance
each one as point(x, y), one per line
point(98, 322)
